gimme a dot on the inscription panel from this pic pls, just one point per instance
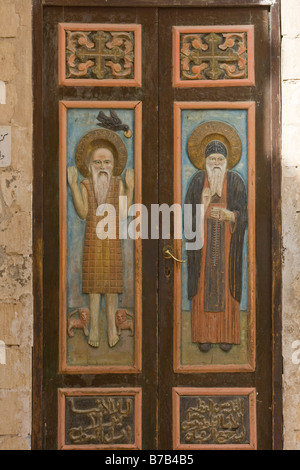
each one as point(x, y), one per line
point(213, 56)
point(100, 419)
point(214, 418)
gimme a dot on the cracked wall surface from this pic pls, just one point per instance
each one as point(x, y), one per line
point(16, 312)
point(291, 219)
point(16, 307)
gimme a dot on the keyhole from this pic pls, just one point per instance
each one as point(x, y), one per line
point(167, 271)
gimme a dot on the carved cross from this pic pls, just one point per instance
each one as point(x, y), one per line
point(100, 54)
point(213, 55)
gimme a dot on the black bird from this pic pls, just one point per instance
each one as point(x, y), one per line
point(113, 123)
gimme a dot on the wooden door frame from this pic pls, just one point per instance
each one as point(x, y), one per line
point(275, 56)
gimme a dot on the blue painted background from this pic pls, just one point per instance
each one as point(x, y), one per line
point(80, 122)
point(190, 120)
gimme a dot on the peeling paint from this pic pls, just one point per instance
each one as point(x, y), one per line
point(2, 92)
point(290, 11)
point(16, 297)
point(2, 353)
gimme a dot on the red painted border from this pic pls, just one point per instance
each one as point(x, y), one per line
point(179, 83)
point(250, 367)
point(182, 391)
point(135, 82)
point(71, 392)
point(63, 109)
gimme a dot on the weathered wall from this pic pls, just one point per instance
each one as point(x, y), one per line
point(15, 225)
point(291, 219)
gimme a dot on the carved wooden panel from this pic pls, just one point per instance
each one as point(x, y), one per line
point(207, 56)
point(100, 273)
point(214, 290)
point(84, 68)
point(99, 418)
point(99, 54)
point(214, 418)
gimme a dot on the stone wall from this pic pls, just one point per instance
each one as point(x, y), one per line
point(15, 226)
point(291, 219)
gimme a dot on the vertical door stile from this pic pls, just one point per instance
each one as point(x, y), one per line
point(215, 312)
point(169, 106)
point(100, 295)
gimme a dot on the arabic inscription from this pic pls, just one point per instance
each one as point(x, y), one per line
point(214, 420)
point(100, 420)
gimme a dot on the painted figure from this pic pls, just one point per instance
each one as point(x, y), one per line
point(215, 271)
point(101, 158)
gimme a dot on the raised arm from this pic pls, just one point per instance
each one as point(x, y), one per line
point(127, 190)
point(80, 198)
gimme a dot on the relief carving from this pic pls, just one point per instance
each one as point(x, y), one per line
point(215, 421)
point(214, 56)
point(109, 421)
point(99, 55)
point(215, 289)
point(101, 157)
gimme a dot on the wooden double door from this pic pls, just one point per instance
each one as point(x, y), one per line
point(136, 349)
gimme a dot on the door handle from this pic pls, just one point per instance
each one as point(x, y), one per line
point(167, 254)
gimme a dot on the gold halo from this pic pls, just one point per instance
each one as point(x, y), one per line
point(101, 138)
point(214, 130)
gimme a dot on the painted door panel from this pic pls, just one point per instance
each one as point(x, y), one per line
point(177, 79)
point(96, 374)
point(182, 109)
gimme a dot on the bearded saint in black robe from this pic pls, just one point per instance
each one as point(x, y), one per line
point(215, 271)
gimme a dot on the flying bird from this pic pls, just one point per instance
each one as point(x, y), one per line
point(113, 123)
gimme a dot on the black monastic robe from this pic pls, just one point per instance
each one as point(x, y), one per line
point(213, 314)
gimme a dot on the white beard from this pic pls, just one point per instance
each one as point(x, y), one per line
point(216, 179)
point(101, 182)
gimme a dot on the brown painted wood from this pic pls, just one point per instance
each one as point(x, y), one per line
point(45, 206)
point(160, 3)
point(261, 379)
point(52, 95)
point(37, 208)
point(275, 53)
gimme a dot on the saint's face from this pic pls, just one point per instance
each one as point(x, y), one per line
point(102, 160)
point(216, 161)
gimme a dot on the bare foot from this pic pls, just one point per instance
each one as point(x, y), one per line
point(111, 301)
point(94, 339)
point(113, 340)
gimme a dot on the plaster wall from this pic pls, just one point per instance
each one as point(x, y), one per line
point(16, 312)
point(291, 219)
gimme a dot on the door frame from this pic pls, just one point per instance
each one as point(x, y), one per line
point(275, 158)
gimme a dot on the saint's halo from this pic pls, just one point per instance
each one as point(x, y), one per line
point(214, 130)
point(101, 138)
